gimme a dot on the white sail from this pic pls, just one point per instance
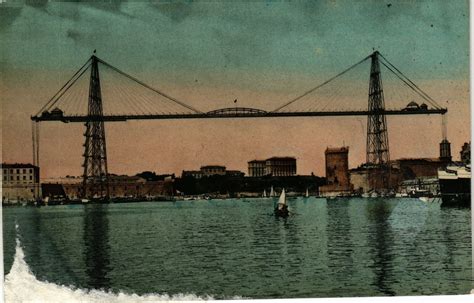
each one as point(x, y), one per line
point(264, 193)
point(272, 193)
point(282, 200)
point(307, 193)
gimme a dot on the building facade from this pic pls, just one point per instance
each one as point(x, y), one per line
point(119, 187)
point(337, 172)
point(274, 166)
point(257, 168)
point(413, 168)
point(234, 173)
point(20, 182)
point(196, 174)
point(211, 170)
point(280, 166)
point(337, 165)
point(360, 178)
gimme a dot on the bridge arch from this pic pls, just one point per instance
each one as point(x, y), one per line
point(237, 111)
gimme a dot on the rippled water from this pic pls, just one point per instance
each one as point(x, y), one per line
point(227, 248)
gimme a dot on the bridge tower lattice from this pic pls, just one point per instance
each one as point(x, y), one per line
point(95, 177)
point(378, 156)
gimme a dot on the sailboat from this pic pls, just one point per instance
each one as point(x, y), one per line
point(264, 193)
point(282, 207)
point(307, 193)
point(272, 193)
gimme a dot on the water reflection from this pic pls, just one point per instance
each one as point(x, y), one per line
point(454, 240)
point(340, 245)
point(97, 248)
point(356, 247)
point(381, 239)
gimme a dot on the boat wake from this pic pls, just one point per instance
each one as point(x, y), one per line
point(22, 286)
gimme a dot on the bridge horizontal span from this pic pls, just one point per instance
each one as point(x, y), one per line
point(260, 114)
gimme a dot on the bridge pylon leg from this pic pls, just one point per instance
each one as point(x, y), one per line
point(378, 156)
point(95, 177)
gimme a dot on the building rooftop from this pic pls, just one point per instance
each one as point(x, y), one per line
point(18, 165)
point(337, 149)
point(271, 159)
point(419, 159)
point(213, 166)
point(256, 161)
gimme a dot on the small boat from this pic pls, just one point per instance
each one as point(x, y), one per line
point(272, 193)
point(307, 193)
point(264, 194)
point(281, 209)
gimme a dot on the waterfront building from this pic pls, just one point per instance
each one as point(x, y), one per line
point(211, 170)
point(358, 178)
point(20, 182)
point(415, 168)
point(120, 186)
point(257, 168)
point(234, 173)
point(337, 171)
point(337, 165)
point(274, 166)
point(280, 166)
point(196, 174)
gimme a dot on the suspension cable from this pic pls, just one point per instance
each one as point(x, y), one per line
point(322, 84)
point(149, 87)
point(418, 89)
point(62, 88)
point(411, 87)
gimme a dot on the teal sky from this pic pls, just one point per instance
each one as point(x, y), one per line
point(179, 38)
point(222, 50)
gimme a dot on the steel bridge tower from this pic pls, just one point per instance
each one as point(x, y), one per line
point(378, 156)
point(95, 177)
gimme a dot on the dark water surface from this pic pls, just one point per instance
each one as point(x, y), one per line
point(226, 248)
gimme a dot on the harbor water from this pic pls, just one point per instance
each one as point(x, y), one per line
point(239, 249)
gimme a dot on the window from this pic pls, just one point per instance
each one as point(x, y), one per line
point(24, 177)
point(31, 177)
point(17, 171)
point(11, 178)
point(31, 170)
point(17, 178)
point(24, 170)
